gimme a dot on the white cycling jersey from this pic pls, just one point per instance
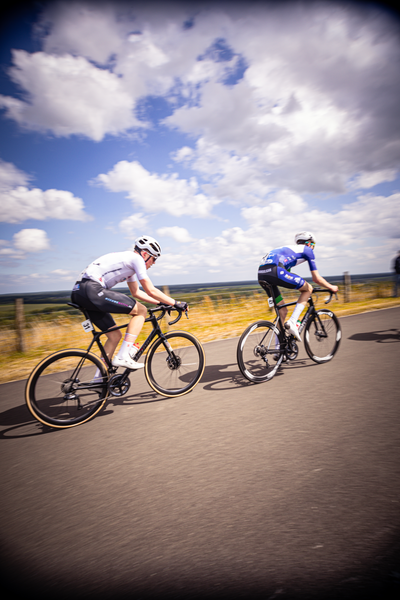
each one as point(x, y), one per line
point(113, 268)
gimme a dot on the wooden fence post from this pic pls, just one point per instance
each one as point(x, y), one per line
point(20, 324)
point(347, 286)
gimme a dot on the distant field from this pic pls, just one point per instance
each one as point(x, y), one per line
point(215, 313)
point(33, 312)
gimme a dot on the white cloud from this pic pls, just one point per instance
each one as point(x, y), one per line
point(11, 252)
point(308, 112)
point(11, 177)
point(82, 29)
point(31, 240)
point(170, 263)
point(19, 203)
point(301, 95)
point(140, 51)
point(68, 95)
point(338, 236)
point(180, 234)
point(183, 154)
point(369, 180)
point(157, 193)
point(277, 100)
point(63, 275)
point(26, 241)
point(134, 225)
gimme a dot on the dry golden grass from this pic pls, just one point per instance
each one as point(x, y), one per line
point(209, 320)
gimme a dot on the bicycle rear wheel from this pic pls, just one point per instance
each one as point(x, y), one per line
point(258, 352)
point(322, 336)
point(175, 365)
point(60, 391)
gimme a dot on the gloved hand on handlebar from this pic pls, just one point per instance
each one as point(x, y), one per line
point(181, 305)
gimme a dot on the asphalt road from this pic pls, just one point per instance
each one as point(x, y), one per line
point(287, 489)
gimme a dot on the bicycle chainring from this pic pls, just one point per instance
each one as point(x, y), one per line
point(292, 349)
point(117, 387)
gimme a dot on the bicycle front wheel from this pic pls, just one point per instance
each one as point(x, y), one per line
point(258, 352)
point(322, 336)
point(175, 364)
point(61, 391)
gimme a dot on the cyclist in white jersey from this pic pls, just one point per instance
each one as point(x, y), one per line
point(93, 292)
point(275, 270)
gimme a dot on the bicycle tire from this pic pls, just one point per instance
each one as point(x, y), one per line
point(257, 352)
point(178, 365)
point(58, 396)
point(322, 336)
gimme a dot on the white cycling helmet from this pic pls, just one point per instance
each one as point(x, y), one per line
point(303, 237)
point(148, 244)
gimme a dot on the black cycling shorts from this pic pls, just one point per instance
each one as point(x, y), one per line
point(275, 275)
point(100, 302)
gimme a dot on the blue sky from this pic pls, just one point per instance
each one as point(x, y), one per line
point(221, 129)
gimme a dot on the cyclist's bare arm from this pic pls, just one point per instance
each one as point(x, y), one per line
point(150, 294)
point(319, 280)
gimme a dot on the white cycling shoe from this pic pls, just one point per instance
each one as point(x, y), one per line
point(127, 362)
point(292, 328)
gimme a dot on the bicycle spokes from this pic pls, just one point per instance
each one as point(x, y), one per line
point(62, 391)
point(322, 336)
point(258, 353)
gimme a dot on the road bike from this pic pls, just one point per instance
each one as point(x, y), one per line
point(264, 346)
point(62, 391)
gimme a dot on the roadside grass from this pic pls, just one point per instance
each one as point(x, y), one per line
point(210, 319)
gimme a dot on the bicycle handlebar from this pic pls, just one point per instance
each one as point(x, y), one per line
point(166, 308)
point(325, 290)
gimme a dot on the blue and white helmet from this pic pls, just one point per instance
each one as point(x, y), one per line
point(303, 237)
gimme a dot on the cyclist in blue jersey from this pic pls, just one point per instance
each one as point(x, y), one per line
point(275, 270)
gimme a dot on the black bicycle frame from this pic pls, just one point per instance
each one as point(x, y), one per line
point(156, 332)
point(310, 311)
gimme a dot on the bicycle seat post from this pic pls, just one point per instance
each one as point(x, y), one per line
point(79, 307)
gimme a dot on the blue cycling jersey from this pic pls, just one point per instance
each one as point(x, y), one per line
point(290, 256)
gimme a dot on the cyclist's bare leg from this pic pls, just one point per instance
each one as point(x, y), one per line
point(138, 313)
point(279, 323)
point(127, 349)
point(306, 291)
point(282, 311)
point(112, 342)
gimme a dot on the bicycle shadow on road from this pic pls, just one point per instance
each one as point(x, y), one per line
point(20, 421)
point(382, 337)
point(228, 377)
point(222, 377)
point(132, 399)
